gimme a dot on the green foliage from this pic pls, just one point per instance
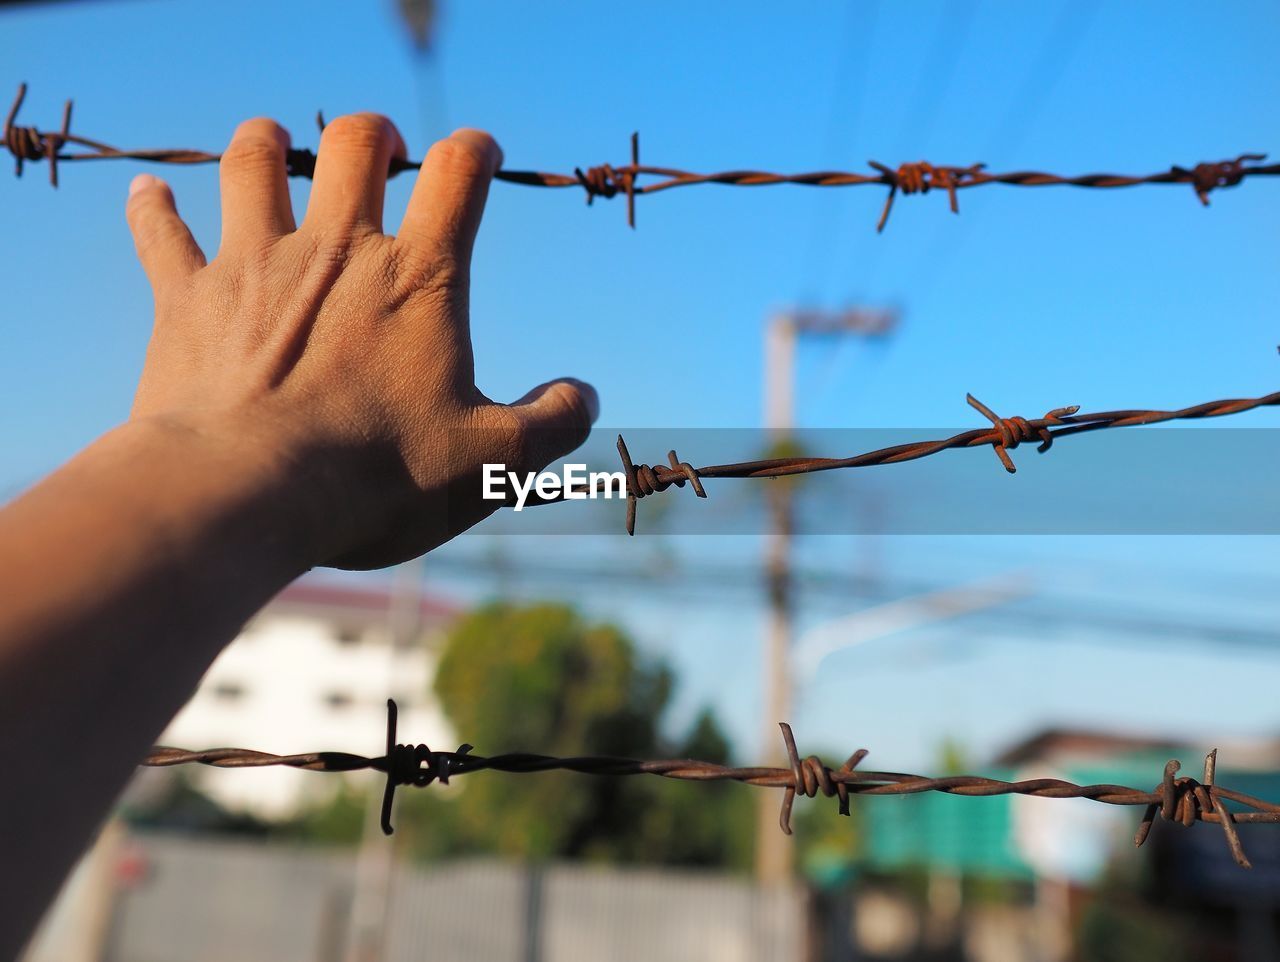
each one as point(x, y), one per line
point(339, 821)
point(538, 678)
point(180, 805)
point(952, 758)
point(1126, 930)
point(541, 679)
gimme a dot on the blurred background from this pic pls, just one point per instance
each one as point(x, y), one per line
point(964, 644)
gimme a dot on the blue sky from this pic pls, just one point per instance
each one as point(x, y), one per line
point(1031, 299)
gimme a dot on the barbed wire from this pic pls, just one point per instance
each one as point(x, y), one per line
point(31, 144)
point(1180, 799)
point(1004, 435)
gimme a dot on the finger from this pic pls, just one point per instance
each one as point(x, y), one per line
point(556, 418)
point(255, 184)
point(448, 198)
point(351, 172)
point(165, 245)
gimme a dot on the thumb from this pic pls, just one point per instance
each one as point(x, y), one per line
point(556, 418)
point(165, 245)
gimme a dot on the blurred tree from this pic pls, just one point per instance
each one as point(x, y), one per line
point(953, 759)
point(174, 802)
point(540, 678)
point(1118, 926)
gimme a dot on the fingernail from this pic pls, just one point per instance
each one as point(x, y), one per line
point(484, 141)
point(142, 182)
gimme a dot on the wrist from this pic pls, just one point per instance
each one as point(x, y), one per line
point(252, 476)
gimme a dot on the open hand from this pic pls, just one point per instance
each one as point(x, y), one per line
point(341, 353)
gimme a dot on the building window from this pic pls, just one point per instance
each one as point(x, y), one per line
point(228, 691)
point(338, 700)
point(347, 636)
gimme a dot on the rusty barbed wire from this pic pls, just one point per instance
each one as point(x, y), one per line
point(1004, 435)
point(1180, 799)
point(30, 144)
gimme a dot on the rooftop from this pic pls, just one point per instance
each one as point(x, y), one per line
point(324, 595)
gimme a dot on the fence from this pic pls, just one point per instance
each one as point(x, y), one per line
point(1180, 799)
point(205, 900)
point(29, 144)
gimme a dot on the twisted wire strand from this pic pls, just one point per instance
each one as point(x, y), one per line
point(1004, 435)
point(30, 144)
point(1183, 800)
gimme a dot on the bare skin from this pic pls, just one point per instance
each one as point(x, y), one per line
point(308, 399)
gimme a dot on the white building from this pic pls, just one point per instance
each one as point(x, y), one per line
point(312, 672)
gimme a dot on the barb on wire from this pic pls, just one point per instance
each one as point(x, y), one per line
point(1004, 435)
point(30, 144)
point(1176, 799)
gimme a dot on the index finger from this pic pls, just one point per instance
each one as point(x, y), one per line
point(444, 213)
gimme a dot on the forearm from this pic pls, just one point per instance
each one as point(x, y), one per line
point(308, 398)
point(119, 592)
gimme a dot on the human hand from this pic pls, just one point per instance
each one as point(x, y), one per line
point(338, 353)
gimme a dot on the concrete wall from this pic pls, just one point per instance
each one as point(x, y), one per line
point(205, 900)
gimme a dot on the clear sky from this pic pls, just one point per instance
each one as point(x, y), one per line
point(1031, 299)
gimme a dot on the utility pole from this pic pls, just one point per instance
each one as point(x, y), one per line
point(773, 849)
